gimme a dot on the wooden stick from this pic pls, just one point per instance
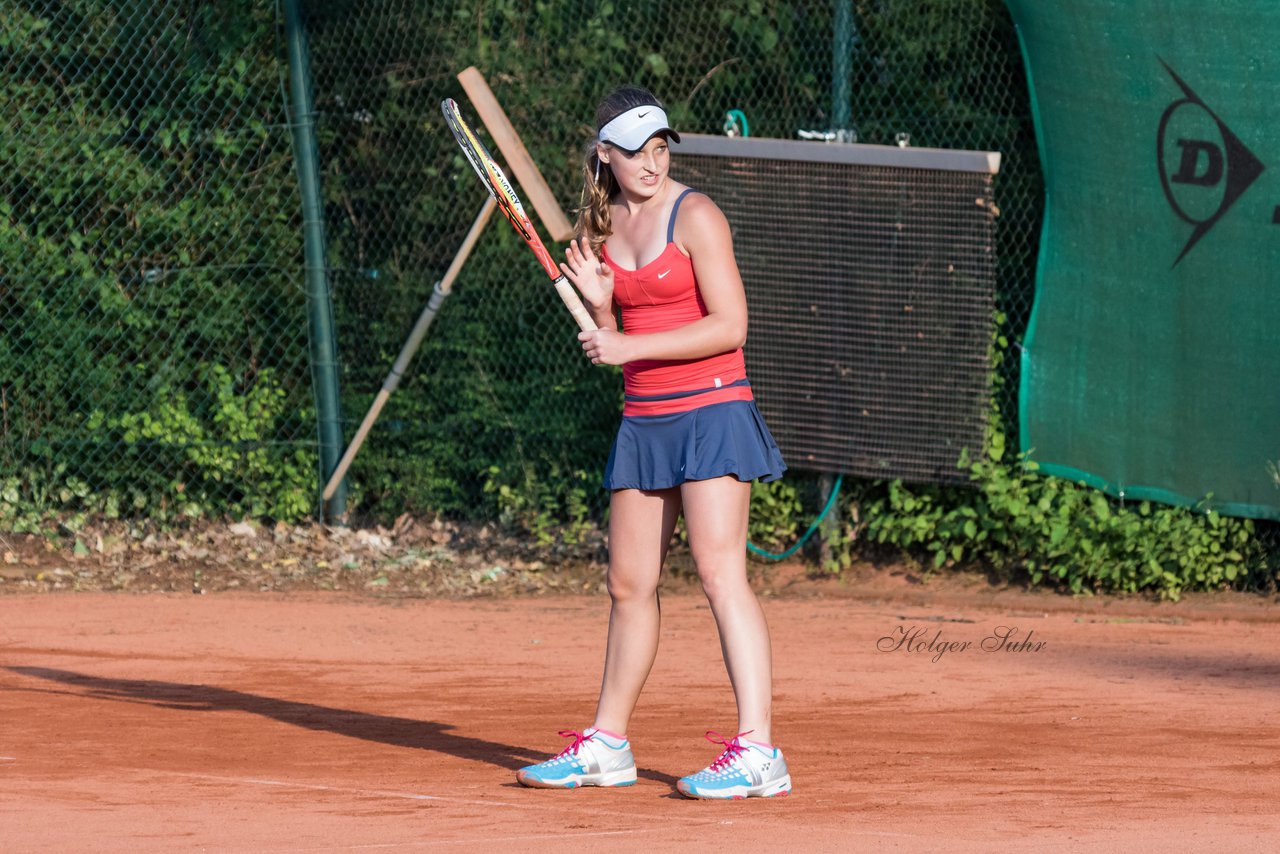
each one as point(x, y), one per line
point(516, 155)
point(442, 290)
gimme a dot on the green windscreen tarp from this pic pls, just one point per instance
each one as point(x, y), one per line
point(1151, 367)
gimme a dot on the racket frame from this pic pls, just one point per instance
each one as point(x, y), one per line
point(504, 193)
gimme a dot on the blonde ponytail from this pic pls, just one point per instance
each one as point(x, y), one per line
point(598, 187)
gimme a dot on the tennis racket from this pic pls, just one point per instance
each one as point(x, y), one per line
point(509, 203)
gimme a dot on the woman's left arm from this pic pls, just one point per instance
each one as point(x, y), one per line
point(703, 233)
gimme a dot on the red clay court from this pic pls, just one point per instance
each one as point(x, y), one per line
point(328, 722)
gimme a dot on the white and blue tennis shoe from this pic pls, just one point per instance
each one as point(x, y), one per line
point(746, 769)
point(595, 758)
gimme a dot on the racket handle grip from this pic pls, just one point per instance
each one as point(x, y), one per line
point(574, 303)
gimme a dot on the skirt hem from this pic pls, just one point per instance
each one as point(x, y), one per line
point(728, 439)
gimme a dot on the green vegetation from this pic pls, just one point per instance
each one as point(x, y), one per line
point(153, 355)
point(1046, 530)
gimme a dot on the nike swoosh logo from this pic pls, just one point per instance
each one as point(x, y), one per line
point(642, 115)
point(663, 273)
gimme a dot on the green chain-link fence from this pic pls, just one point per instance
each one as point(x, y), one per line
point(154, 355)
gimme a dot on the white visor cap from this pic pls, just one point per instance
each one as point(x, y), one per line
point(632, 129)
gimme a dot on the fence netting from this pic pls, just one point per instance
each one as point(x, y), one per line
point(154, 355)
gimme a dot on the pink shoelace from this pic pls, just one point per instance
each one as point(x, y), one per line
point(732, 748)
point(579, 739)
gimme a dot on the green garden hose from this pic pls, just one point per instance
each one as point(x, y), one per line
point(735, 124)
point(831, 502)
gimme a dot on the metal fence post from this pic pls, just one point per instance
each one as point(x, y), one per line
point(844, 40)
point(324, 361)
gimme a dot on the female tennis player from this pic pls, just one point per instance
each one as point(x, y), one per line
point(691, 442)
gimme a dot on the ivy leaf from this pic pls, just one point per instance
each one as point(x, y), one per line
point(657, 64)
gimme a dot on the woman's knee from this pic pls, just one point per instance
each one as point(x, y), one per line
point(722, 579)
point(628, 584)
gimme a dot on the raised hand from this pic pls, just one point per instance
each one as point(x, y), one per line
point(589, 274)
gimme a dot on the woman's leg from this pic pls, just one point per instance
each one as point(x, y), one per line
point(640, 527)
point(715, 514)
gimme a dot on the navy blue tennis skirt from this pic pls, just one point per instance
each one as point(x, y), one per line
point(661, 451)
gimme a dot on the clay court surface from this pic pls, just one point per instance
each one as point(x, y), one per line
point(330, 722)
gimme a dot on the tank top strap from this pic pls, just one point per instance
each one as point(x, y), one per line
point(671, 223)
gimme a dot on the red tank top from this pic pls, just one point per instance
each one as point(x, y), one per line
point(662, 295)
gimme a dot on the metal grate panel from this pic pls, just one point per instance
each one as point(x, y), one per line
point(870, 276)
